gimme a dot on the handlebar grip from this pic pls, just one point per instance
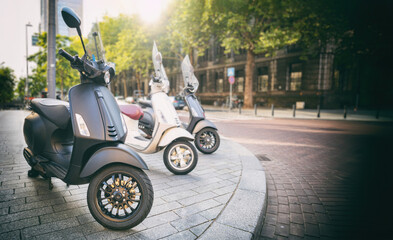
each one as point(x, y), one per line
point(66, 55)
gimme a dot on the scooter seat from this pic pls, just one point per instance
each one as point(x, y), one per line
point(56, 111)
point(132, 111)
point(145, 103)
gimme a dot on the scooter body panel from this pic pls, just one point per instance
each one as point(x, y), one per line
point(203, 124)
point(119, 153)
point(174, 133)
point(101, 115)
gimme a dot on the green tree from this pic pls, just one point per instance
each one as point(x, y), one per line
point(7, 83)
point(128, 44)
point(190, 28)
point(257, 26)
point(66, 77)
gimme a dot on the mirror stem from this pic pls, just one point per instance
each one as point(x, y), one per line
point(80, 36)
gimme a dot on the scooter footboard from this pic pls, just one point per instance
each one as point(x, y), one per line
point(174, 133)
point(120, 153)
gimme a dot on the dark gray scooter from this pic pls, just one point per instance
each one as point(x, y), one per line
point(206, 139)
point(83, 142)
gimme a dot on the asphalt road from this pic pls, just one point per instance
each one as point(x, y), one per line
point(326, 179)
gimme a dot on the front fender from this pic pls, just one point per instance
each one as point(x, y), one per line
point(174, 133)
point(202, 124)
point(120, 153)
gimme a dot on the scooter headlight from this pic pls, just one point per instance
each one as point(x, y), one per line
point(107, 77)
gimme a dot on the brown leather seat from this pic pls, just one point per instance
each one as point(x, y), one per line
point(132, 111)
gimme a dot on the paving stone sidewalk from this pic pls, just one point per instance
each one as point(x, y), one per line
point(222, 197)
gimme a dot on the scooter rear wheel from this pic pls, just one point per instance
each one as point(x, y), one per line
point(120, 197)
point(207, 140)
point(180, 157)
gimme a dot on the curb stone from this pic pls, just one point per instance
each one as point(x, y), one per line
point(241, 220)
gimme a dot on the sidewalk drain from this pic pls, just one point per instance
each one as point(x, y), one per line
point(262, 157)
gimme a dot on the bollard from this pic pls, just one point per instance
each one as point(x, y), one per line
point(240, 109)
point(377, 114)
point(255, 109)
point(345, 111)
point(294, 110)
point(272, 110)
point(318, 111)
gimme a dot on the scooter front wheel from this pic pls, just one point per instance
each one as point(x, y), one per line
point(180, 157)
point(207, 140)
point(120, 197)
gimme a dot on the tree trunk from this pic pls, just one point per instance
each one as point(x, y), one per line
point(250, 67)
point(62, 89)
point(125, 84)
point(138, 82)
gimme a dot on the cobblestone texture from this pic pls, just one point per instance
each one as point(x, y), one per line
point(325, 179)
point(183, 207)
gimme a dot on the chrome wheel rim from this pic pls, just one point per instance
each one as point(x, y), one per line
point(207, 140)
point(119, 197)
point(180, 156)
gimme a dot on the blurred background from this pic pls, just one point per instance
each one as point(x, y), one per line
point(328, 53)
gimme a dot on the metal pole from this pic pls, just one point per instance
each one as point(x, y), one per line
point(294, 110)
point(230, 96)
point(272, 110)
point(51, 40)
point(27, 65)
point(319, 111)
point(255, 109)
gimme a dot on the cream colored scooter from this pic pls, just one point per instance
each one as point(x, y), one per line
point(180, 156)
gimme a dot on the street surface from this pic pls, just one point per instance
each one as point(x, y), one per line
point(325, 179)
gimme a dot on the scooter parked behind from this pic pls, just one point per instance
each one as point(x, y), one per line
point(207, 139)
point(83, 142)
point(180, 156)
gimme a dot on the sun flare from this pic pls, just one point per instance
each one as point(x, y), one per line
point(150, 10)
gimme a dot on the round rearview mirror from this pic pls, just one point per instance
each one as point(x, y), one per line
point(70, 17)
point(159, 57)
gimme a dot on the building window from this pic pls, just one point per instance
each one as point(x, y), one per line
point(220, 85)
point(263, 79)
point(296, 77)
point(240, 84)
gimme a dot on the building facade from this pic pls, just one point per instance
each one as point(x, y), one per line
point(281, 80)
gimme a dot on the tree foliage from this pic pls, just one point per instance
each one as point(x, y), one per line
point(7, 83)
point(66, 77)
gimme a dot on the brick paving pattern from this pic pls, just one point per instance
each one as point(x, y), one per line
point(184, 206)
point(325, 179)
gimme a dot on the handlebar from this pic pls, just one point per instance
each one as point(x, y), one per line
point(66, 55)
point(157, 80)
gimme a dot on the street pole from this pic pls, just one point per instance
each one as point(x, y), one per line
point(51, 39)
point(27, 65)
point(230, 96)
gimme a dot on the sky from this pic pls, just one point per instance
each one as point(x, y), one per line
point(15, 14)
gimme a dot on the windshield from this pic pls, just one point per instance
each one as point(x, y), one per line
point(159, 68)
point(95, 47)
point(188, 74)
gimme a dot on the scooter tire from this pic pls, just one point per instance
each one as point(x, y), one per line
point(32, 173)
point(177, 170)
point(105, 218)
point(200, 145)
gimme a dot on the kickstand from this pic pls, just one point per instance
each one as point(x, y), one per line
point(50, 184)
